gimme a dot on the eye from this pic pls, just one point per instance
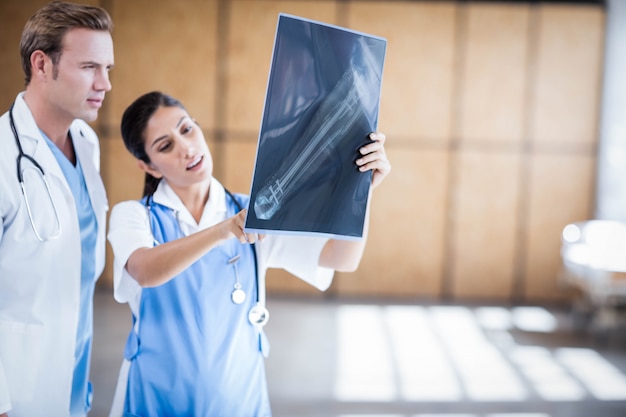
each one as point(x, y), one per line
point(165, 146)
point(186, 129)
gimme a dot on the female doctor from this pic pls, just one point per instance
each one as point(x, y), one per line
point(52, 213)
point(188, 271)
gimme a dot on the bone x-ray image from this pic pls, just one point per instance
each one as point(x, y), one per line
point(322, 101)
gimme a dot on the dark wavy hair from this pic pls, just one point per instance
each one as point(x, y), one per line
point(133, 128)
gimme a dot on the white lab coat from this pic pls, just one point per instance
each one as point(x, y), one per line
point(40, 282)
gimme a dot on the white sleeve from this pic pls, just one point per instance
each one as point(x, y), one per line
point(5, 399)
point(299, 255)
point(129, 230)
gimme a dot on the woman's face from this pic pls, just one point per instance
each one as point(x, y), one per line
point(177, 149)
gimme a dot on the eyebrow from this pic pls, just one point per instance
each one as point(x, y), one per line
point(98, 64)
point(160, 138)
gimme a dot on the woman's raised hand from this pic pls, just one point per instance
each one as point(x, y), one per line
point(235, 225)
point(374, 158)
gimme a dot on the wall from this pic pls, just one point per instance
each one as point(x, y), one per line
point(490, 109)
point(610, 199)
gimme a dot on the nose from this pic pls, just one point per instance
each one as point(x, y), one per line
point(102, 82)
point(188, 147)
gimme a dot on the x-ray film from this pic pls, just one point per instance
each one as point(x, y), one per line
point(322, 102)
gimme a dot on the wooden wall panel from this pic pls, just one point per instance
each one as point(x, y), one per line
point(13, 16)
point(282, 283)
point(418, 76)
point(119, 168)
point(169, 46)
point(250, 43)
point(484, 225)
point(490, 108)
point(564, 133)
point(566, 90)
point(237, 158)
point(561, 191)
point(494, 73)
point(404, 254)
point(123, 180)
point(489, 132)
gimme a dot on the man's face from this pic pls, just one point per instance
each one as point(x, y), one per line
point(81, 77)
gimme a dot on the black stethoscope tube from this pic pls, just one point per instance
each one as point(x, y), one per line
point(21, 153)
point(20, 179)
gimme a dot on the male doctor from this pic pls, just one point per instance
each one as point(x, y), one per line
point(52, 240)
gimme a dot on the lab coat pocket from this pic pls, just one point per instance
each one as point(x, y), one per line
point(21, 349)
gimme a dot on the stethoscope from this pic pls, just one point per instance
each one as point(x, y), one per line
point(20, 179)
point(258, 315)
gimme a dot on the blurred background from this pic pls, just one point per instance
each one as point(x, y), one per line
point(504, 123)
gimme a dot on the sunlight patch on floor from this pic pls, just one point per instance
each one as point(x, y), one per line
point(453, 353)
point(449, 415)
point(363, 357)
point(603, 380)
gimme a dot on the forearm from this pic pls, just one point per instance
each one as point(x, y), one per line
point(345, 255)
point(151, 267)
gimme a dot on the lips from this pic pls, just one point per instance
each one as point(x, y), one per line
point(95, 101)
point(196, 161)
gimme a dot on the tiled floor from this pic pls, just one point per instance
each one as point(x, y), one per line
point(332, 359)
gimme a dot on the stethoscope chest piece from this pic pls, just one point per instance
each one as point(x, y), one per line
point(238, 295)
point(258, 315)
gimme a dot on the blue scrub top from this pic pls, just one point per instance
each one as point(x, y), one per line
point(81, 387)
point(194, 352)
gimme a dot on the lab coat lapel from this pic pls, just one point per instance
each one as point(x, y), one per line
point(89, 156)
point(33, 142)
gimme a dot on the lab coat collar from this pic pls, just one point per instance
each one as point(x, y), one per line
point(214, 210)
point(34, 144)
point(31, 139)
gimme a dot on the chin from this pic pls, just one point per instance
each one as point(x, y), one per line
point(89, 116)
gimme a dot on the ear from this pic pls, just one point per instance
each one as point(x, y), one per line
point(149, 169)
point(39, 64)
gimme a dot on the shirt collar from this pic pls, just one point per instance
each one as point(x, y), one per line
point(214, 210)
